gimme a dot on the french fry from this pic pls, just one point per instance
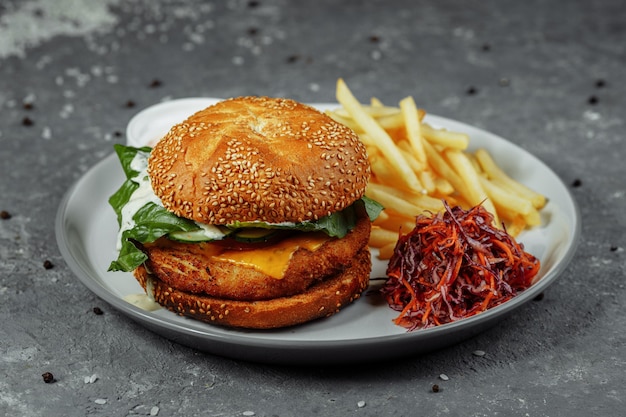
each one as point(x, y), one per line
point(391, 121)
point(445, 138)
point(439, 164)
point(374, 102)
point(404, 202)
point(383, 170)
point(428, 181)
point(516, 226)
point(387, 199)
point(510, 205)
point(386, 252)
point(396, 222)
point(380, 237)
point(508, 202)
point(533, 218)
point(416, 166)
point(474, 163)
point(472, 190)
point(413, 127)
point(406, 176)
point(388, 189)
point(495, 173)
point(443, 186)
point(376, 110)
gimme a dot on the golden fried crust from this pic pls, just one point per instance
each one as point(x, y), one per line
point(190, 267)
point(321, 300)
point(258, 159)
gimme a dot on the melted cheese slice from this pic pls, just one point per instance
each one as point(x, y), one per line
point(273, 259)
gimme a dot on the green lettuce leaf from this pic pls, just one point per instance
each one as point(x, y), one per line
point(130, 257)
point(153, 221)
point(337, 224)
point(373, 207)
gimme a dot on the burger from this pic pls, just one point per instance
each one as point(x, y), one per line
point(251, 214)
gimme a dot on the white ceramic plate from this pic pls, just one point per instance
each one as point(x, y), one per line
point(86, 230)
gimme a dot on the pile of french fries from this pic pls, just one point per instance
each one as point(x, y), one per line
point(415, 167)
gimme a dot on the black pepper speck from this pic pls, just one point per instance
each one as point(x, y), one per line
point(48, 378)
point(600, 83)
point(435, 388)
point(613, 248)
point(130, 104)
point(27, 121)
point(593, 100)
point(47, 264)
point(577, 183)
point(98, 311)
point(471, 91)
point(539, 297)
point(5, 215)
point(156, 83)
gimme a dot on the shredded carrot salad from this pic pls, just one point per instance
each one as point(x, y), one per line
point(454, 265)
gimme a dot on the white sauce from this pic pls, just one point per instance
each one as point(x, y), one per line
point(142, 301)
point(280, 224)
point(211, 231)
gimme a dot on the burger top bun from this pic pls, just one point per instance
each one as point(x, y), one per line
point(258, 159)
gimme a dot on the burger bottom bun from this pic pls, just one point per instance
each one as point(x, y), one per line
point(321, 300)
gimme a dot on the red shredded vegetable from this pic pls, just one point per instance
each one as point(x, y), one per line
point(454, 265)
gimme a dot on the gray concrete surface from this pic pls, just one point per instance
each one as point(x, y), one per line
point(548, 76)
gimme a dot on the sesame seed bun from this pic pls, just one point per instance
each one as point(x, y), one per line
point(321, 300)
point(258, 159)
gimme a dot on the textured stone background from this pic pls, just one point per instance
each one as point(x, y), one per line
point(545, 75)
